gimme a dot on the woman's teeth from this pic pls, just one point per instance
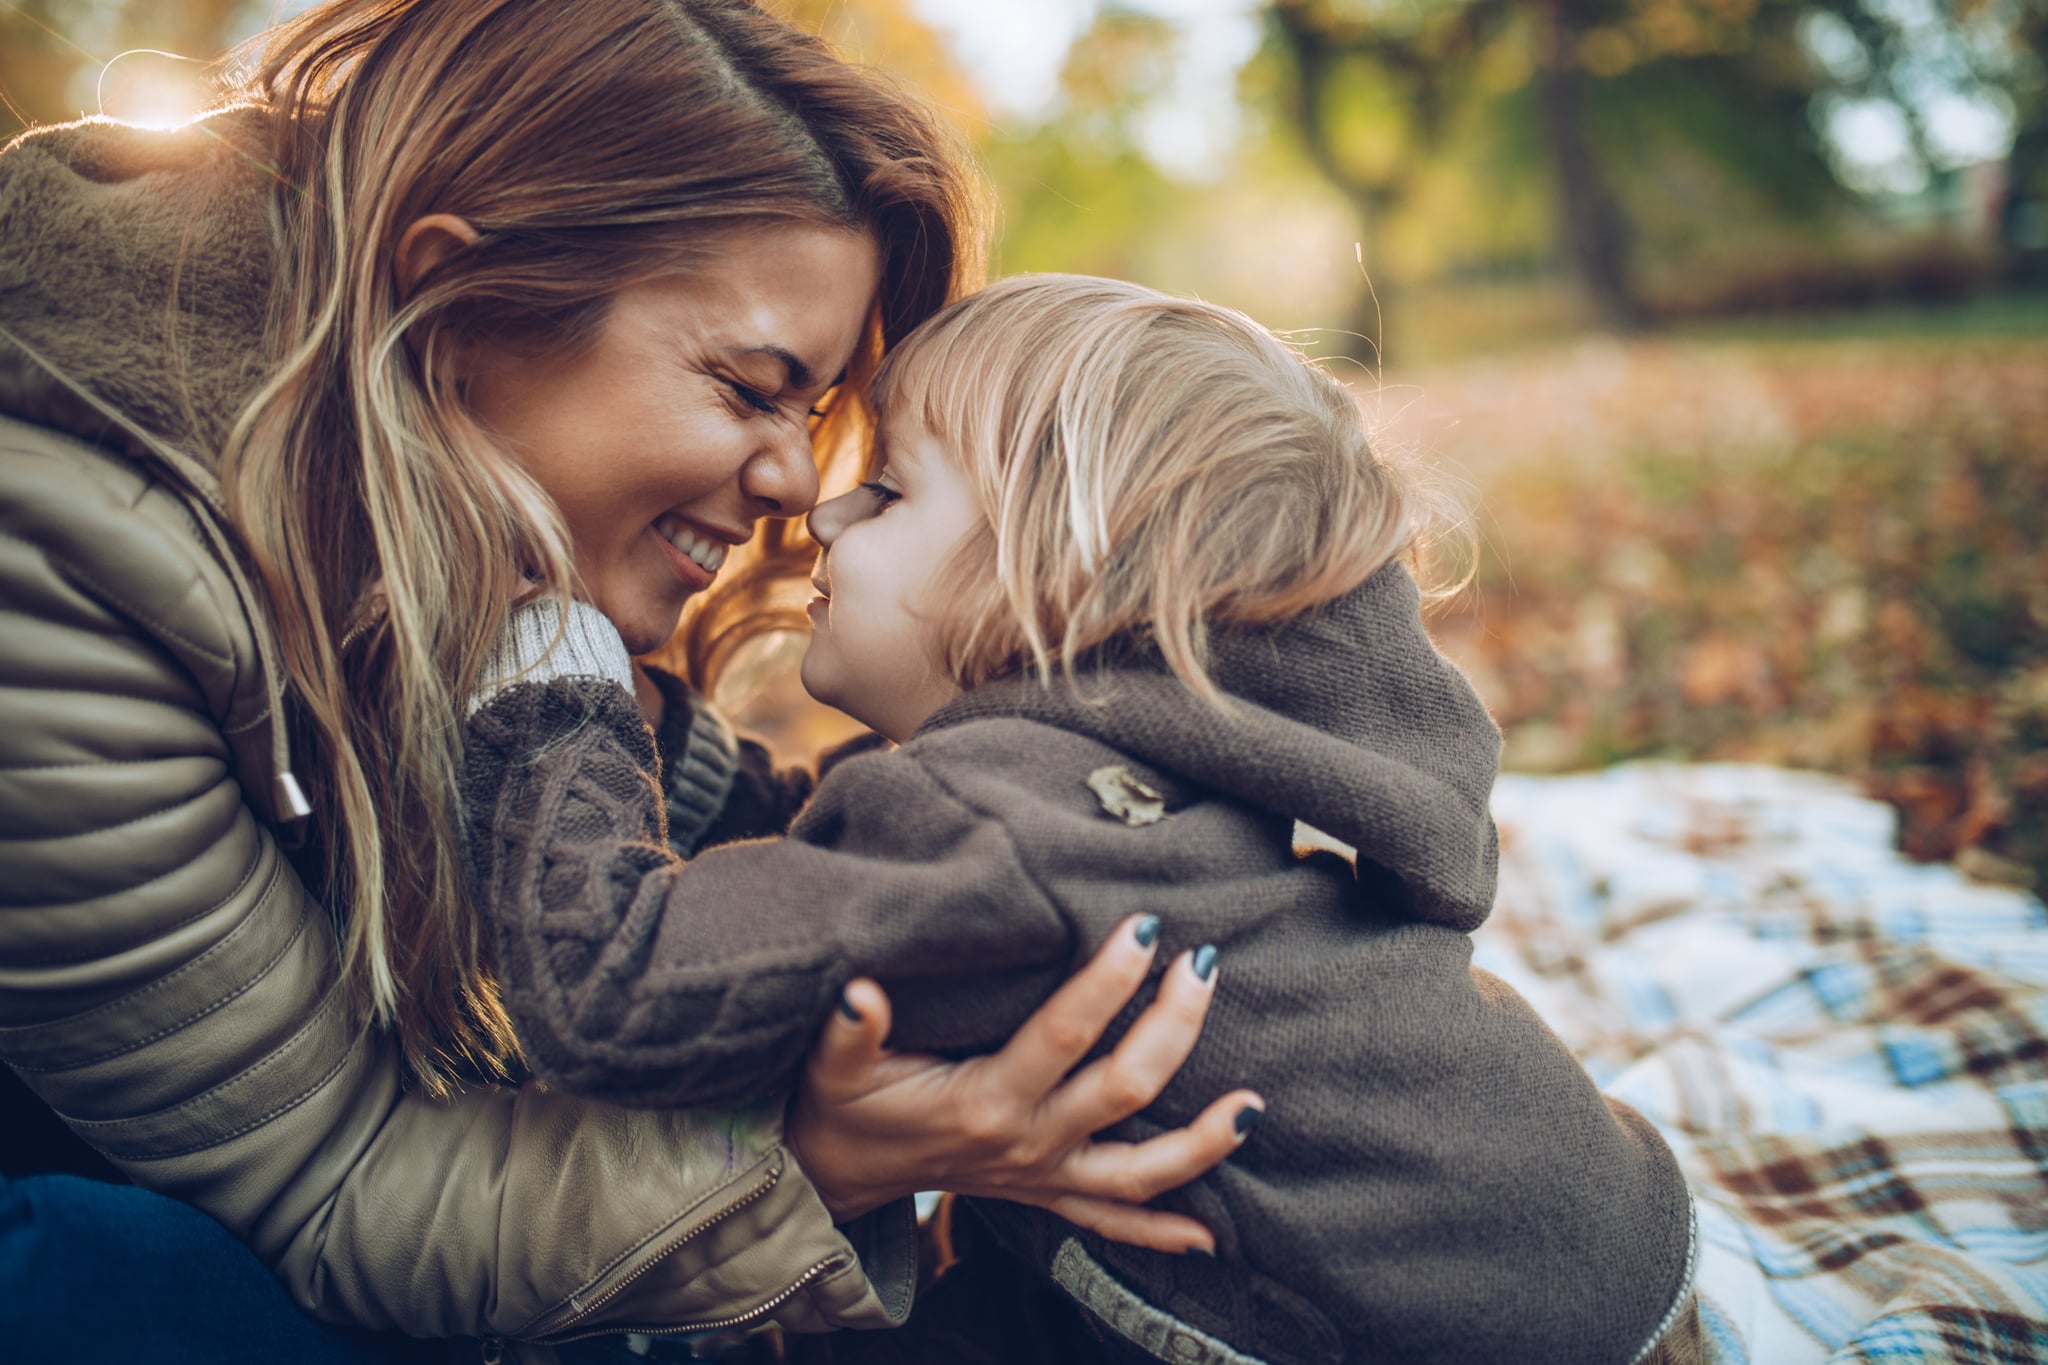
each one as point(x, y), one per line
point(706, 553)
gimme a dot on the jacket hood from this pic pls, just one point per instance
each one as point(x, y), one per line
point(134, 280)
point(1346, 718)
point(135, 274)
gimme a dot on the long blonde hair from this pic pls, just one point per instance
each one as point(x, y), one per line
point(1149, 467)
point(593, 146)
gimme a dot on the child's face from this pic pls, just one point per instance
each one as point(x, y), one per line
point(871, 652)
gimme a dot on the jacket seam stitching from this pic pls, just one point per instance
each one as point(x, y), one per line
point(111, 829)
point(192, 918)
point(246, 726)
point(320, 1013)
point(91, 763)
point(248, 874)
point(164, 983)
point(261, 1119)
point(150, 618)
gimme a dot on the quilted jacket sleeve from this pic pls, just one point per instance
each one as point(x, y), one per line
point(169, 987)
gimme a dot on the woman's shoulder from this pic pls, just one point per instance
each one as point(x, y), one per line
point(100, 551)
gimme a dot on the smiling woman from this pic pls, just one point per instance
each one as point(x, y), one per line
point(452, 302)
point(686, 421)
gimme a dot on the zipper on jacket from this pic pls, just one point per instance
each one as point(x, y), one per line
point(760, 1310)
point(581, 1309)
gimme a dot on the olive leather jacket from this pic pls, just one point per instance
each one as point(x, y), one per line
point(169, 986)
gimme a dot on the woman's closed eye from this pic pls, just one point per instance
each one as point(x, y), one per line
point(752, 397)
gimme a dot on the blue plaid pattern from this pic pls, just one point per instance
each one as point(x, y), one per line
point(1847, 1051)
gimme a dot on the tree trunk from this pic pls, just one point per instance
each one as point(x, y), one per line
point(1314, 61)
point(1593, 235)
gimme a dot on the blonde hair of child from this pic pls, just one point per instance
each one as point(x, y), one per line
point(1150, 467)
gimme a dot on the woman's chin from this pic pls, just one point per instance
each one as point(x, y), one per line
point(644, 631)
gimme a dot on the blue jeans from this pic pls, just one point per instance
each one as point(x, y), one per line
point(97, 1272)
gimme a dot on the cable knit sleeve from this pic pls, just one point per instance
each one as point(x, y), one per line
point(718, 785)
point(635, 975)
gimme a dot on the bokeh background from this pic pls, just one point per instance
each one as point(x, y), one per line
point(1728, 320)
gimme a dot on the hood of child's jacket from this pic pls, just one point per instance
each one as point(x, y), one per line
point(135, 271)
point(1347, 719)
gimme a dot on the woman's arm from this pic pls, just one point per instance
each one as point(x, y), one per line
point(170, 988)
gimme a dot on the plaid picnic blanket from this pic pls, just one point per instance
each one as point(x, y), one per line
point(1847, 1051)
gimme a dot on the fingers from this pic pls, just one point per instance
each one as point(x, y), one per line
point(1173, 1233)
point(1059, 1035)
point(1135, 1172)
point(1145, 1059)
point(851, 1045)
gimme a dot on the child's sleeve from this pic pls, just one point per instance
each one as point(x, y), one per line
point(637, 976)
point(717, 785)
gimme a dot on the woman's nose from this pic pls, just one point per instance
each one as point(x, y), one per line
point(832, 516)
point(782, 478)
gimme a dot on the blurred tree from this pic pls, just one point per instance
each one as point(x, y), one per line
point(888, 34)
point(1653, 123)
point(1597, 84)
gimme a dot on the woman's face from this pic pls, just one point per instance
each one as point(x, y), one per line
point(684, 423)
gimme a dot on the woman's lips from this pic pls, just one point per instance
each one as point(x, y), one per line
point(692, 575)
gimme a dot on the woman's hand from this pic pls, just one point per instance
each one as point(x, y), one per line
point(869, 1125)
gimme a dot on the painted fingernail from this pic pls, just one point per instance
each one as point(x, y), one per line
point(1203, 1252)
point(1147, 931)
point(846, 1008)
point(1248, 1119)
point(1205, 962)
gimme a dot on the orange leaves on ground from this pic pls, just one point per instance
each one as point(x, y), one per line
point(1827, 554)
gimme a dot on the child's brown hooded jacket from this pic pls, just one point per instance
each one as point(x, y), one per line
point(1436, 1179)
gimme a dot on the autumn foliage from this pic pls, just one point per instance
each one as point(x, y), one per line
point(1828, 554)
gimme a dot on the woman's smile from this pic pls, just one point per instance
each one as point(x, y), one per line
point(697, 556)
point(684, 422)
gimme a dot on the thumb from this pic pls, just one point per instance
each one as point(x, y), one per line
point(851, 1045)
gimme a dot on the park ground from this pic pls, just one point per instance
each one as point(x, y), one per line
point(1819, 542)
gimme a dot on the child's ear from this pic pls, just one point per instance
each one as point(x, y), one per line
point(427, 243)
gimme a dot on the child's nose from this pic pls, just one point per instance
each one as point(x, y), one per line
point(831, 517)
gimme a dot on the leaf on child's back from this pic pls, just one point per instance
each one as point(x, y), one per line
point(1125, 797)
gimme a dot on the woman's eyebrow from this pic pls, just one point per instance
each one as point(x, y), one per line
point(796, 374)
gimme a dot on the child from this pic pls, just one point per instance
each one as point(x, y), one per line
point(1125, 591)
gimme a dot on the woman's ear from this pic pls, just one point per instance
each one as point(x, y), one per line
point(427, 243)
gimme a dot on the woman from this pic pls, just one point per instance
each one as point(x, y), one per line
point(290, 399)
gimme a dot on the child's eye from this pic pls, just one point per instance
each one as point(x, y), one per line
point(883, 494)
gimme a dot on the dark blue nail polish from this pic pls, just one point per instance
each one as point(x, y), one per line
point(1203, 1252)
point(1205, 962)
point(846, 1008)
point(1248, 1119)
point(1147, 931)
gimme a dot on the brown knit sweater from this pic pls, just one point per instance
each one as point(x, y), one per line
point(1436, 1179)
